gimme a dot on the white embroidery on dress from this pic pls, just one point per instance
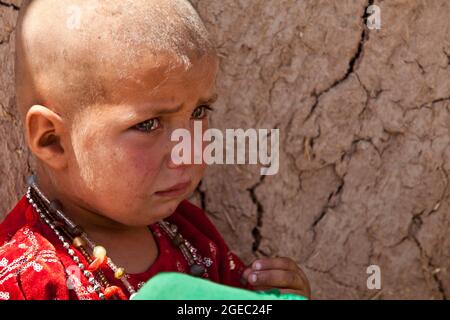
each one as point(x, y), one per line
point(75, 284)
point(207, 261)
point(3, 262)
point(230, 257)
point(30, 258)
point(4, 295)
point(37, 267)
point(212, 248)
point(180, 267)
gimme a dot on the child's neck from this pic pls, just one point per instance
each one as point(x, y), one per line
point(133, 249)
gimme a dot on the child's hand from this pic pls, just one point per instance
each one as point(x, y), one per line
point(280, 273)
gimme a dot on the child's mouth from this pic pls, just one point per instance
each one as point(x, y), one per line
point(175, 190)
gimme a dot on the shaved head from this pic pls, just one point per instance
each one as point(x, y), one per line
point(73, 53)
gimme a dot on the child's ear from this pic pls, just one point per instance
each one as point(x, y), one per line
point(44, 133)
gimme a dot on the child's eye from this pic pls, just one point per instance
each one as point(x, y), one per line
point(201, 112)
point(148, 125)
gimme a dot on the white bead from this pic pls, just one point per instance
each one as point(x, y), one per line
point(81, 266)
point(66, 245)
point(76, 259)
point(71, 252)
point(99, 252)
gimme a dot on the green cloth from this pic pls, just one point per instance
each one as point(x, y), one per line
point(179, 286)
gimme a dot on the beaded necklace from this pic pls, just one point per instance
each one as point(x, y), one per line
point(73, 236)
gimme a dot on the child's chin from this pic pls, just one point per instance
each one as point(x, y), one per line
point(157, 213)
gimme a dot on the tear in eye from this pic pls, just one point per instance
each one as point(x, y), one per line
point(148, 125)
point(201, 112)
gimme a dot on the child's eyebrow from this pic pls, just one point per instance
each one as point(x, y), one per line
point(164, 110)
point(211, 100)
point(156, 111)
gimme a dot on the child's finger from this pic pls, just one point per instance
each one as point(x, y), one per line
point(283, 279)
point(278, 263)
point(245, 274)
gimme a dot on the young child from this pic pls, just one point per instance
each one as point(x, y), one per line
point(100, 86)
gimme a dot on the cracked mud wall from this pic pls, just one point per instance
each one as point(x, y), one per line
point(14, 156)
point(364, 119)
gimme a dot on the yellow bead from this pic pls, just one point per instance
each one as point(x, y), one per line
point(78, 242)
point(99, 252)
point(119, 273)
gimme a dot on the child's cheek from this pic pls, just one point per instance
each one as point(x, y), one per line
point(129, 178)
point(141, 167)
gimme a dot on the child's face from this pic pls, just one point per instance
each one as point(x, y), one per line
point(120, 154)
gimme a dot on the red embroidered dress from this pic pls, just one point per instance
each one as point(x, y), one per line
point(34, 265)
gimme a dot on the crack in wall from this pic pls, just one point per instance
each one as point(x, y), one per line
point(435, 208)
point(8, 38)
point(332, 277)
point(256, 231)
point(9, 5)
point(331, 198)
point(427, 105)
point(351, 65)
point(414, 227)
point(447, 55)
point(440, 100)
point(444, 191)
point(9, 32)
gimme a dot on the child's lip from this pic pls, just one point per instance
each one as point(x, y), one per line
point(177, 189)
